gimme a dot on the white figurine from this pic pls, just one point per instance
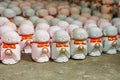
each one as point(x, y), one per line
point(110, 39)
point(10, 49)
point(78, 44)
point(4, 29)
point(60, 46)
point(95, 46)
point(41, 46)
point(26, 31)
point(118, 37)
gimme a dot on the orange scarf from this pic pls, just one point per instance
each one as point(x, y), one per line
point(25, 37)
point(42, 44)
point(112, 38)
point(61, 44)
point(95, 40)
point(77, 42)
point(12, 46)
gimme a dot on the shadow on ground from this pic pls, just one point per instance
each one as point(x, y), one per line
point(105, 67)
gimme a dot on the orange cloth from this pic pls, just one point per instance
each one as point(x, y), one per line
point(112, 38)
point(95, 40)
point(12, 46)
point(25, 37)
point(77, 42)
point(61, 44)
point(43, 44)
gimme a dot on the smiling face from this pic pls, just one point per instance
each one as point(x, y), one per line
point(61, 36)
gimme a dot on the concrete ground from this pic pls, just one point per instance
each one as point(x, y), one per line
point(105, 67)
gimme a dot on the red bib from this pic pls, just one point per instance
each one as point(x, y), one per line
point(25, 37)
point(78, 42)
point(112, 38)
point(62, 44)
point(95, 40)
point(43, 44)
point(12, 46)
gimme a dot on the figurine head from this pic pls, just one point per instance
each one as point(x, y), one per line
point(52, 29)
point(4, 29)
point(118, 28)
point(41, 36)
point(74, 10)
point(61, 36)
point(2, 8)
point(11, 24)
point(52, 11)
point(42, 12)
point(94, 32)
point(25, 29)
point(64, 11)
point(11, 37)
point(9, 13)
point(79, 34)
point(75, 16)
point(63, 25)
point(28, 12)
point(69, 20)
point(17, 10)
point(54, 21)
point(61, 16)
point(33, 19)
point(28, 22)
point(3, 20)
point(42, 26)
point(18, 20)
point(71, 28)
point(110, 31)
point(82, 19)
